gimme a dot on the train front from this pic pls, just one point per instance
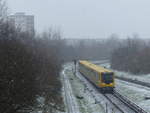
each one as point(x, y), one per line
point(107, 82)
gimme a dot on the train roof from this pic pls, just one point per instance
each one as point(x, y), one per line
point(94, 67)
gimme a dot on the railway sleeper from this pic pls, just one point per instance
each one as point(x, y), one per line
point(130, 104)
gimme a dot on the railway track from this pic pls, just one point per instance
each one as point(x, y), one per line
point(111, 99)
point(120, 102)
point(129, 103)
point(131, 106)
point(99, 97)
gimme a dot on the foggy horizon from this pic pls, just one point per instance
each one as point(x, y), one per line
point(86, 18)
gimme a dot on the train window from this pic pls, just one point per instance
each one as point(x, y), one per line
point(107, 78)
point(96, 74)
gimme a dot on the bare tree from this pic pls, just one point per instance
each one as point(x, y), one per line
point(3, 10)
point(132, 56)
point(29, 67)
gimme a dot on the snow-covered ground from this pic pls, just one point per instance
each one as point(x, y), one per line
point(143, 78)
point(85, 100)
point(81, 97)
point(135, 93)
point(70, 100)
point(89, 99)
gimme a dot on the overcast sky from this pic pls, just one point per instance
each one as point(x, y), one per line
point(88, 18)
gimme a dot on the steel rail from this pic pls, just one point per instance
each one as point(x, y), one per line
point(114, 103)
point(129, 103)
point(134, 107)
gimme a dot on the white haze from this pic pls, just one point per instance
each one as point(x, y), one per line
point(88, 18)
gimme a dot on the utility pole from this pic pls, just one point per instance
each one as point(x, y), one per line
point(113, 110)
point(106, 108)
point(75, 66)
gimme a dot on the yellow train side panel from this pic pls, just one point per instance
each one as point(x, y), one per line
point(98, 70)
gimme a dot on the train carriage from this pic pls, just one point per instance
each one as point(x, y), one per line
point(99, 76)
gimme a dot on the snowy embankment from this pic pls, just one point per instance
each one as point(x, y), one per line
point(85, 101)
point(81, 97)
point(143, 78)
point(136, 93)
point(88, 98)
point(70, 100)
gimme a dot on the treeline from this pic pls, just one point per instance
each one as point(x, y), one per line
point(133, 55)
point(29, 67)
point(90, 49)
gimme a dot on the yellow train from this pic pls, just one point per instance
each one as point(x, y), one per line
point(99, 76)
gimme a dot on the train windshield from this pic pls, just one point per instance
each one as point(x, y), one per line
point(107, 78)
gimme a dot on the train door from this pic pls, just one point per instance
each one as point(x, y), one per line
point(97, 78)
point(99, 74)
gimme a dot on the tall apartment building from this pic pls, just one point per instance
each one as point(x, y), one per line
point(23, 21)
